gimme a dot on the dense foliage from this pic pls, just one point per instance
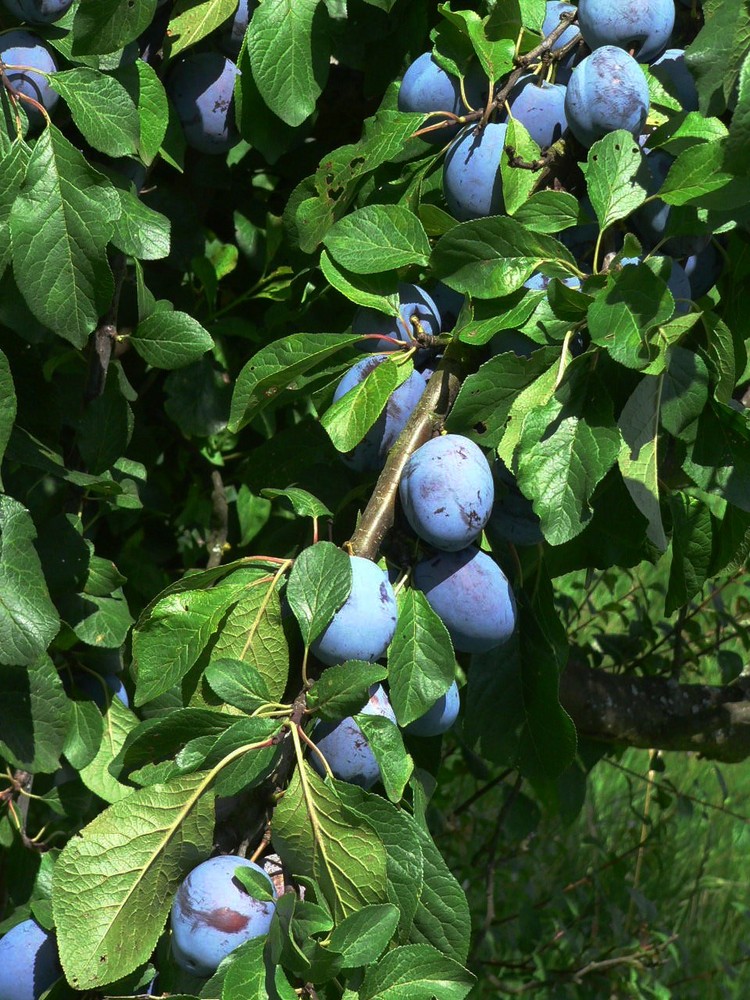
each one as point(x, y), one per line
point(255, 606)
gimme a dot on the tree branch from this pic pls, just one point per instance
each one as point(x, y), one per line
point(659, 712)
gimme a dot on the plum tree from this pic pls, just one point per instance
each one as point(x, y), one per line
point(23, 48)
point(449, 302)
point(446, 491)
point(415, 306)
point(471, 595)
point(540, 107)
point(554, 9)
point(363, 626)
point(345, 747)
point(94, 686)
point(201, 87)
point(672, 72)
point(426, 87)
point(539, 282)
point(471, 173)
point(373, 449)
point(678, 283)
point(703, 269)
point(512, 519)
point(234, 32)
point(213, 913)
point(515, 342)
point(641, 27)
point(37, 11)
point(606, 91)
point(29, 964)
point(438, 719)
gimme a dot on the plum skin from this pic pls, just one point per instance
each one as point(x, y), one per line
point(363, 626)
point(212, 914)
point(372, 450)
point(540, 107)
point(413, 301)
point(642, 25)
point(472, 183)
point(438, 719)
point(471, 595)
point(606, 91)
point(426, 87)
point(23, 48)
point(345, 746)
point(38, 11)
point(201, 87)
point(234, 32)
point(29, 963)
point(446, 491)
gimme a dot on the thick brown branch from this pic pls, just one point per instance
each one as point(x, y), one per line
point(428, 417)
point(659, 712)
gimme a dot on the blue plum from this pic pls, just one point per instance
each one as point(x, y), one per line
point(23, 48)
point(414, 303)
point(29, 963)
point(672, 72)
point(606, 91)
point(426, 87)
point(513, 519)
point(37, 11)
point(471, 595)
point(201, 86)
point(345, 747)
point(678, 284)
point(449, 302)
point(372, 450)
point(439, 718)
point(540, 107)
point(651, 220)
point(641, 27)
point(446, 491)
point(540, 282)
point(472, 184)
point(212, 914)
point(363, 626)
point(551, 20)
point(233, 34)
point(703, 269)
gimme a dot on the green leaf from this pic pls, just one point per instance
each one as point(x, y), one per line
point(34, 716)
point(122, 872)
point(548, 212)
point(716, 55)
point(319, 837)
point(387, 744)
point(363, 937)
point(84, 735)
point(342, 690)
point(416, 972)
point(289, 50)
point(692, 545)
point(303, 503)
point(12, 172)
point(97, 621)
point(682, 131)
point(377, 291)
point(275, 368)
point(7, 405)
point(107, 25)
point(495, 50)
point(421, 662)
point(147, 93)
point(101, 108)
point(719, 460)
point(319, 583)
point(97, 775)
point(249, 768)
point(684, 392)
point(698, 177)
point(402, 839)
point(517, 184)
point(190, 22)
point(351, 417)
point(28, 619)
point(163, 737)
point(612, 177)
point(739, 133)
point(170, 339)
point(493, 257)
point(638, 458)
point(140, 231)
point(378, 238)
point(253, 632)
point(238, 684)
point(565, 456)
point(60, 224)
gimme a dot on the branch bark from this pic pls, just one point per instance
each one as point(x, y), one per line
point(659, 712)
